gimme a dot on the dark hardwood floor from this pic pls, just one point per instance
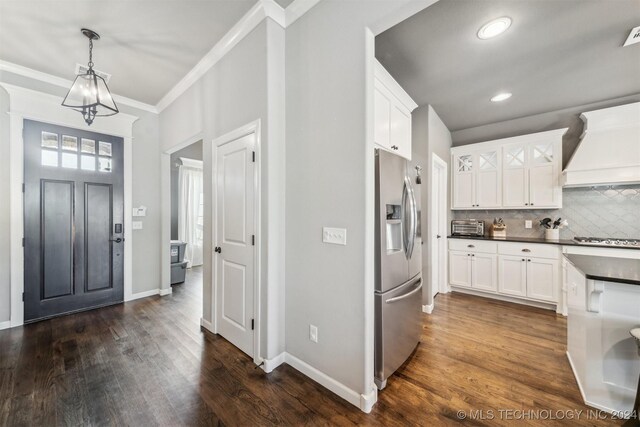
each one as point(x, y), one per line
point(148, 363)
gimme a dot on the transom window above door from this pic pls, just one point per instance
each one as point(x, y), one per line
point(68, 152)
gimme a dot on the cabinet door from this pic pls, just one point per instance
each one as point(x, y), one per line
point(382, 114)
point(484, 272)
point(543, 179)
point(542, 279)
point(401, 131)
point(514, 176)
point(460, 268)
point(488, 190)
point(512, 275)
point(463, 181)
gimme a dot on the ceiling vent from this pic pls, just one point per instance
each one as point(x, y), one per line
point(82, 69)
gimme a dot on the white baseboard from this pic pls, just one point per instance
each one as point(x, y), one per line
point(207, 325)
point(271, 364)
point(545, 305)
point(428, 308)
point(5, 325)
point(363, 401)
point(165, 292)
point(144, 294)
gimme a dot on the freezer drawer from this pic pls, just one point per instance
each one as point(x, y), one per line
point(398, 327)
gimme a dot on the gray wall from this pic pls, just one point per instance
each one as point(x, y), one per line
point(5, 229)
point(193, 151)
point(326, 164)
point(236, 91)
point(146, 191)
point(598, 212)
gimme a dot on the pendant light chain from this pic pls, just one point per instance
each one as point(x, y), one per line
point(90, 64)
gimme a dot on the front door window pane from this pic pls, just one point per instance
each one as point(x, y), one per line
point(69, 143)
point(88, 146)
point(49, 158)
point(104, 165)
point(88, 163)
point(104, 149)
point(50, 140)
point(69, 160)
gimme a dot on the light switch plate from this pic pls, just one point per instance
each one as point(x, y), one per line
point(313, 333)
point(136, 225)
point(140, 211)
point(528, 224)
point(335, 236)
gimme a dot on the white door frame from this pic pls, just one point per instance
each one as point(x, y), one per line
point(248, 129)
point(165, 207)
point(43, 107)
point(439, 201)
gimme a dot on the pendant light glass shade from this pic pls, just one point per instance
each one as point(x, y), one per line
point(89, 93)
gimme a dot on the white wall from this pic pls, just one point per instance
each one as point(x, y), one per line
point(244, 86)
point(327, 166)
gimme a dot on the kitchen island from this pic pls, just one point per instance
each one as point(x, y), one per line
point(603, 299)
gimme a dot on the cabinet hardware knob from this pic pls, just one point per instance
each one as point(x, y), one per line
point(470, 246)
point(522, 259)
point(526, 204)
point(473, 254)
point(528, 260)
point(526, 250)
point(218, 249)
point(531, 204)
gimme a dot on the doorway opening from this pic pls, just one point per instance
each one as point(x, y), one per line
point(187, 223)
point(438, 228)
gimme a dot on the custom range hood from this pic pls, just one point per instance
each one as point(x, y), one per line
point(609, 150)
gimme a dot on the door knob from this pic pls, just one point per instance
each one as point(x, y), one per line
point(218, 249)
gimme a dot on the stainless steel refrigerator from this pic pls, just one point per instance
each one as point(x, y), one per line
point(398, 278)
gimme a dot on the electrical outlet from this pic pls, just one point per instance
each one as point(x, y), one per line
point(336, 236)
point(313, 333)
point(136, 225)
point(528, 224)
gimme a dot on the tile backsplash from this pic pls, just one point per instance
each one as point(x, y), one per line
point(591, 211)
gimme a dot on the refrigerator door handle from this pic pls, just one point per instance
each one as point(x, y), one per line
point(405, 216)
point(407, 295)
point(414, 218)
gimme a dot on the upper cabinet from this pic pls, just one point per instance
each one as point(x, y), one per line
point(511, 173)
point(392, 112)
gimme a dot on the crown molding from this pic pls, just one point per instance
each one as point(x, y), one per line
point(296, 9)
point(262, 10)
point(62, 82)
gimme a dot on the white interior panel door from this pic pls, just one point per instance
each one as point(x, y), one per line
point(234, 252)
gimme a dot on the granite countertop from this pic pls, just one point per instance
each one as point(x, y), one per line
point(561, 242)
point(609, 269)
point(518, 239)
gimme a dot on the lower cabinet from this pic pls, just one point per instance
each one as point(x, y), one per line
point(473, 270)
point(510, 270)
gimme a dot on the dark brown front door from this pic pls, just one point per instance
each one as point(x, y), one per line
point(73, 219)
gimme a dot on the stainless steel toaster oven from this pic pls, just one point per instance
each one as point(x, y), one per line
point(467, 227)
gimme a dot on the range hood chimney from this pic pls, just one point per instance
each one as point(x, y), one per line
point(609, 150)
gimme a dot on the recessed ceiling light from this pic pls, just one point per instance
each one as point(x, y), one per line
point(494, 28)
point(501, 97)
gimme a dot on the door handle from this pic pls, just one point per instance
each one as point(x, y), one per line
point(218, 249)
point(407, 295)
point(117, 239)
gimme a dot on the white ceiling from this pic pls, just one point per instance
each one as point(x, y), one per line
point(557, 54)
point(147, 45)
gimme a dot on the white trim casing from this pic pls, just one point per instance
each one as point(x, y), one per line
point(143, 294)
point(34, 105)
point(248, 129)
point(428, 308)
point(206, 324)
point(270, 364)
point(5, 325)
point(62, 82)
point(296, 9)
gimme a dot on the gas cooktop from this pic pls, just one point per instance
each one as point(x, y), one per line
point(607, 241)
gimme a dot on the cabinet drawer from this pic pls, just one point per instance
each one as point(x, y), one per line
point(536, 250)
point(469, 245)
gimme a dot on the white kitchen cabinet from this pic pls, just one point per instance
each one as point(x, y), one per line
point(460, 268)
point(542, 279)
point(511, 173)
point(522, 271)
point(483, 272)
point(473, 270)
point(512, 276)
point(476, 179)
point(392, 114)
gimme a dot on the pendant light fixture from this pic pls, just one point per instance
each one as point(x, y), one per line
point(89, 93)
